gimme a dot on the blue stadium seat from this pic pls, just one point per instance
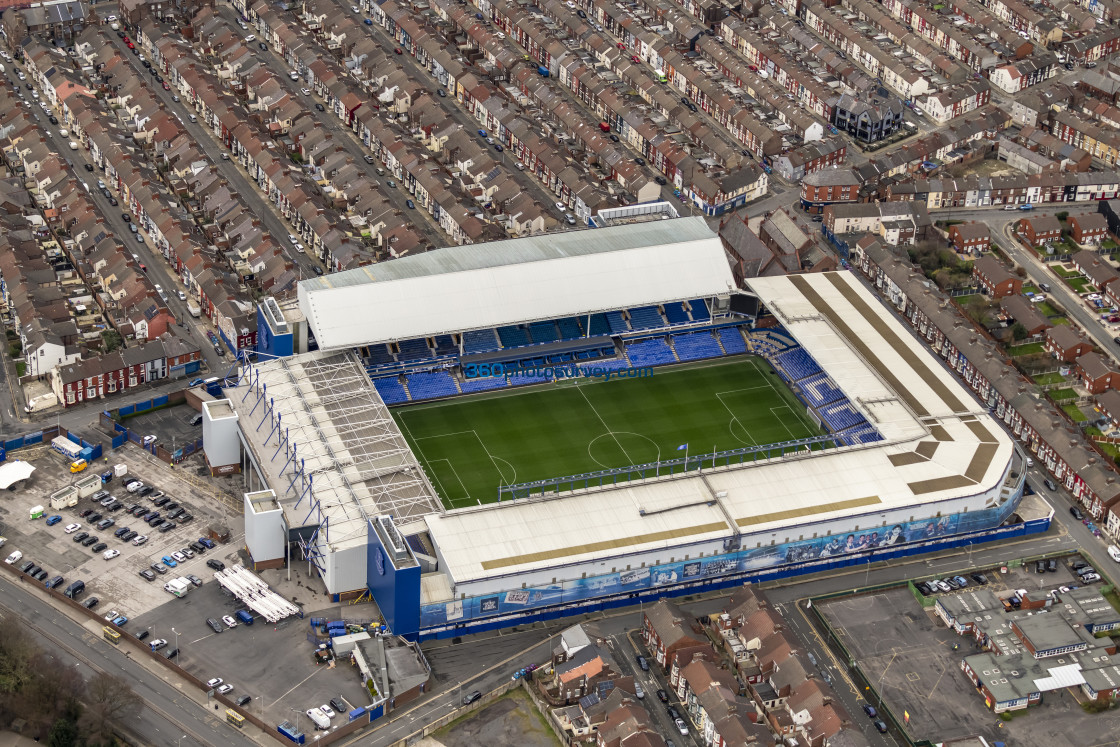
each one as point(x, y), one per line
point(732, 340)
point(432, 384)
point(797, 364)
point(841, 415)
point(819, 390)
point(675, 313)
point(379, 355)
point(529, 378)
point(646, 317)
point(480, 341)
point(390, 390)
point(569, 328)
point(653, 352)
point(483, 384)
point(413, 350)
point(696, 346)
point(445, 345)
point(542, 332)
point(616, 323)
point(512, 337)
point(699, 310)
point(600, 325)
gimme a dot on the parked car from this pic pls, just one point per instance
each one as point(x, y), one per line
point(147, 575)
point(159, 568)
point(1076, 513)
point(140, 540)
point(215, 626)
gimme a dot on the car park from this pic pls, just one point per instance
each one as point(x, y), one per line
point(147, 575)
point(80, 536)
point(90, 540)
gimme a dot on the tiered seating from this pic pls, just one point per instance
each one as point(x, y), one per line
point(732, 340)
point(512, 337)
point(616, 323)
point(699, 310)
point(379, 355)
point(781, 337)
point(654, 352)
point(543, 332)
point(818, 390)
point(860, 434)
point(529, 378)
point(390, 389)
point(614, 364)
point(431, 385)
point(798, 364)
point(675, 313)
point(569, 328)
point(841, 415)
point(480, 341)
point(646, 317)
point(413, 350)
point(482, 385)
point(600, 325)
point(696, 346)
point(445, 345)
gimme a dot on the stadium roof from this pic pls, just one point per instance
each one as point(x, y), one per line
point(351, 448)
point(940, 444)
point(518, 280)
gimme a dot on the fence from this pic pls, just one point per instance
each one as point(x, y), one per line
point(123, 434)
point(44, 437)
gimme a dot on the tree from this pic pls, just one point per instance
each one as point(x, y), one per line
point(112, 340)
point(1062, 215)
point(1018, 331)
point(109, 700)
point(17, 656)
point(64, 733)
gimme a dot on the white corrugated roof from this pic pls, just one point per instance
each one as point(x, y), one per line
point(518, 280)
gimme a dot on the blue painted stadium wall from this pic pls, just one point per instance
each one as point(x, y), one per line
point(396, 591)
point(278, 345)
point(485, 612)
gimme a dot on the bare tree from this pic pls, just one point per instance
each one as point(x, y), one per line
point(17, 656)
point(109, 700)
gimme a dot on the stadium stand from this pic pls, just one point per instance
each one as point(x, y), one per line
point(482, 384)
point(512, 337)
point(797, 364)
point(445, 345)
point(840, 415)
point(600, 325)
point(412, 350)
point(699, 310)
point(480, 341)
point(655, 352)
point(616, 323)
point(696, 346)
point(390, 389)
point(732, 340)
point(379, 355)
point(675, 313)
point(529, 377)
point(819, 390)
point(431, 385)
point(860, 434)
point(646, 317)
point(543, 332)
point(780, 337)
point(569, 328)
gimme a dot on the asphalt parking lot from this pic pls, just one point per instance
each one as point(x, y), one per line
point(170, 425)
point(250, 656)
point(116, 582)
point(907, 652)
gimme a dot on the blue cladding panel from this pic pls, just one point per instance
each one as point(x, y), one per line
point(397, 592)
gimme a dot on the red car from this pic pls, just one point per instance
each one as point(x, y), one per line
point(126, 40)
point(398, 50)
point(166, 87)
point(131, 45)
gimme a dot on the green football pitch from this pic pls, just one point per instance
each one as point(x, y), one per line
point(472, 445)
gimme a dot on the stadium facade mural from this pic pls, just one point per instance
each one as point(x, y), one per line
point(744, 561)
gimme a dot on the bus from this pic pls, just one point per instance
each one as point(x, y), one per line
point(235, 718)
point(111, 635)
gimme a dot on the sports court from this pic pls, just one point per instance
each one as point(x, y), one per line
point(472, 445)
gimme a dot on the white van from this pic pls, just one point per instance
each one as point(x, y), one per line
point(192, 117)
point(64, 133)
point(73, 145)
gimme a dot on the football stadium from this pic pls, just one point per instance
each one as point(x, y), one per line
point(486, 435)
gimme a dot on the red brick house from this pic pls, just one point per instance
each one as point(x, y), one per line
point(1022, 311)
point(996, 280)
point(970, 238)
point(1065, 344)
point(1039, 229)
point(665, 629)
point(1088, 228)
point(1095, 267)
point(1097, 374)
point(828, 186)
point(112, 373)
point(1109, 405)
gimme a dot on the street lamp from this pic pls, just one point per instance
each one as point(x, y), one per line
point(176, 632)
point(180, 742)
point(296, 712)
